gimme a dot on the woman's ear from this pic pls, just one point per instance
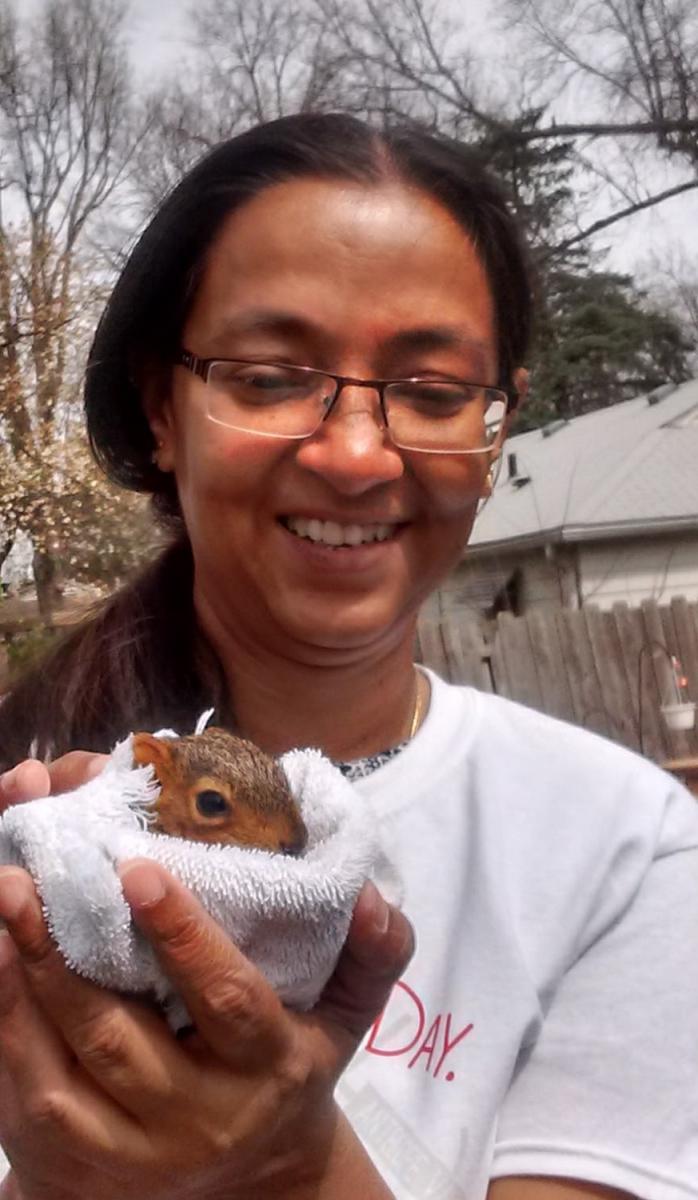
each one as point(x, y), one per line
point(521, 380)
point(158, 413)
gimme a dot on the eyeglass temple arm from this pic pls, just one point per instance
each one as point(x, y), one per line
point(194, 364)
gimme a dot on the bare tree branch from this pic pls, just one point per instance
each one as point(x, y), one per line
point(613, 218)
point(612, 129)
point(647, 71)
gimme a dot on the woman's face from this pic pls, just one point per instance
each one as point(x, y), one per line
point(376, 282)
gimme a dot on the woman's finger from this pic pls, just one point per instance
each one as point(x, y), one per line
point(378, 948)
point(29, 780)
point(41, 1087)
point(125, 1048)
point(234, 1009)
point(31, 1052)
point(72, 770)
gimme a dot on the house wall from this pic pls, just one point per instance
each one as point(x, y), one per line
point(540, 580)
point(548, 579)
point(637, 570)
point(600, 574)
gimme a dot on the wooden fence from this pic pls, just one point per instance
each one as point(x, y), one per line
point(608, 671)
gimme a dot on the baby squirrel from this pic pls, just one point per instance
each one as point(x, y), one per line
point(216, 787)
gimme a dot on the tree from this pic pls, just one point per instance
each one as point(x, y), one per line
point(598, 342)
point(540, 178)
point(671, 279)
point(599, 338)
point(412, 58)
point(414, 61)
point(646, 73)
point(66, 139)
point(633, 67)
point(52, 489)
point(248, 63)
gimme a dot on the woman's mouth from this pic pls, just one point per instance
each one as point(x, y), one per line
point(332, 533)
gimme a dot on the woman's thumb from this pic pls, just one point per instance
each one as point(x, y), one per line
point(379, 945)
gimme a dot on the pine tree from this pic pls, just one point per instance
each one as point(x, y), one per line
point(598, 340)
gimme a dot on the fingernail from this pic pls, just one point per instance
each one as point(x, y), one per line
point(379, 910)
point(13, 893)
point(7, 784)
point(141, 884)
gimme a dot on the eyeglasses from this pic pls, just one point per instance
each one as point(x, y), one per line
point(438, 416)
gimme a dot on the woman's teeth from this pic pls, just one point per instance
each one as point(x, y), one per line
point(331, 533)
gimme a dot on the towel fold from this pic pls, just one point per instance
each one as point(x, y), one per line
point(289, 916)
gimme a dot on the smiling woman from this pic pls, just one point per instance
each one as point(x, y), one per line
point(311, 361)
point(335, 535)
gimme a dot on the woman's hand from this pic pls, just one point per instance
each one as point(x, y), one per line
point(31, 779)
point(97, 1098)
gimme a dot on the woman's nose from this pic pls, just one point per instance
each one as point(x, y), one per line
point(352, 449)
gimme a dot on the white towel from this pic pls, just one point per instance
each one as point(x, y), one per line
point(289, 916)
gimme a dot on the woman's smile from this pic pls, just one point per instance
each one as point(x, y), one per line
point(341, 548)
point(339, 533)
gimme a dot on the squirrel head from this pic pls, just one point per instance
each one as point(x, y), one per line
point(215, 787)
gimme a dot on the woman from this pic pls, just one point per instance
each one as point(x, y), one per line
point(312, 358)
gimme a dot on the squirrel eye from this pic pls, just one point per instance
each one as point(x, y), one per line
point(211, 804)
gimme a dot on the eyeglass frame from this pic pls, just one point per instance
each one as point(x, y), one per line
point(201, 368)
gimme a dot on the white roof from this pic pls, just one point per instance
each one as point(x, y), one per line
point(624, 470)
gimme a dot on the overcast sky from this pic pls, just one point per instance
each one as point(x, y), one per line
point(157, 29)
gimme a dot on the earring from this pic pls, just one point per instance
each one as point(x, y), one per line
point(155, 456)
point(487, 489)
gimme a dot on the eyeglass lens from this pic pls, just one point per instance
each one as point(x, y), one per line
point(282, 401)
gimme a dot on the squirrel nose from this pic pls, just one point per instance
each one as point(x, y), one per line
point(295, 847)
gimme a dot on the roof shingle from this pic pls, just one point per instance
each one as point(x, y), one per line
point(630, 467)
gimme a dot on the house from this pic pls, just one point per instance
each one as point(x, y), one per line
point(591, 511)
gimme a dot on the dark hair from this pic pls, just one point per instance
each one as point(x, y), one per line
point(141, 661)
point(138, 663)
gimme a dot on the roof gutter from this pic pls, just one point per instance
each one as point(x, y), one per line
point(603, 531)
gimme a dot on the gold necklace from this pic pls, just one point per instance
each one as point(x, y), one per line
point(417, 712)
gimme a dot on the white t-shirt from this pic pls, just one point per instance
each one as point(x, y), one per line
point(548, 1023)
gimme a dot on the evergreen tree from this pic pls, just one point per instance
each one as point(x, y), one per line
point(598, 340)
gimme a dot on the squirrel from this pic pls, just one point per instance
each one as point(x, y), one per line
point(216, 787)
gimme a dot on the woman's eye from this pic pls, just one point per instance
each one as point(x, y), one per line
point(439, 397)
point(256, 378)
point(211, 803)
point(250, 385)
point(267, 381)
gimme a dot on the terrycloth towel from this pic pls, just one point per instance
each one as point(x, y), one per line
point(290, 916)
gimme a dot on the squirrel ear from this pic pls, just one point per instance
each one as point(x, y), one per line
point(148, 749)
